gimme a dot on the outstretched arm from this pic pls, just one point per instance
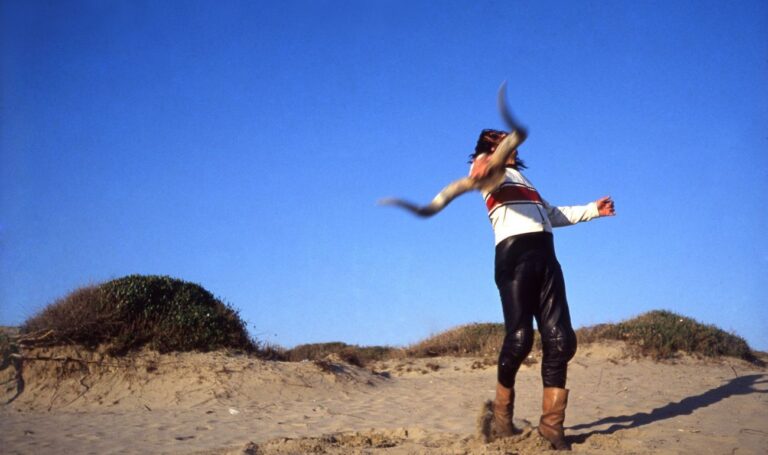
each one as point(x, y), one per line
point(449, 193)
point(566, 216)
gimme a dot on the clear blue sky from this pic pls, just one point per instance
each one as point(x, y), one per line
point(242, 146)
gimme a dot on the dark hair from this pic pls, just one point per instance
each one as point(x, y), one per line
point(488, 141)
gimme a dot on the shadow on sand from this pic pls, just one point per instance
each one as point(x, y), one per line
point(743, 385)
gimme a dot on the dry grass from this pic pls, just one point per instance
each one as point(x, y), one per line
point(352, 354)
point(471, 340)
point(657, 334)
point(479, 339)
point(82, 317)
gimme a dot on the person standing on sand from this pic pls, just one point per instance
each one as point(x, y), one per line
point(531, 286)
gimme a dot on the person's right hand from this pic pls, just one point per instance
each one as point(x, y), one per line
point(605, 206)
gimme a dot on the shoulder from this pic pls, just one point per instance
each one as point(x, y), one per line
point(514, 175)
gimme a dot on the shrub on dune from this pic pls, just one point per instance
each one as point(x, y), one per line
point(660, 334)
point(159, 312)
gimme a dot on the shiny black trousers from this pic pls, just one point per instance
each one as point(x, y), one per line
point(531, 286)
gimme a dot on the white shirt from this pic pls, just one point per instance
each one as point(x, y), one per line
point(515, 208)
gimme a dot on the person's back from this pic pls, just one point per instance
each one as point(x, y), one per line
point(531, 286)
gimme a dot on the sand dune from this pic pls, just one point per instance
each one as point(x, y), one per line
point(219, 404)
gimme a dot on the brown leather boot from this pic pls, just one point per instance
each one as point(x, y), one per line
point(553, 415)
point(503, 410)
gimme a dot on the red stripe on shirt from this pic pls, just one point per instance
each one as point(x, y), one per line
point(512, 194)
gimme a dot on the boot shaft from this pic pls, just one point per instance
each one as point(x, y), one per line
point(503, 412)
point(504, 401)
point(553, 406)
point(554, 402)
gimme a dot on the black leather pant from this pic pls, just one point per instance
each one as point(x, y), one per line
point(531, 285)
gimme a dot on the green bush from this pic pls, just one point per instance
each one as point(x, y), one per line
point(660, 334)
point(159, 312)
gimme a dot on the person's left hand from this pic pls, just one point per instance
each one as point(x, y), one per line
point(480, 167)
point(605, 206)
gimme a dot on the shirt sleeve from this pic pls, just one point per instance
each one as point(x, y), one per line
point(568, 215)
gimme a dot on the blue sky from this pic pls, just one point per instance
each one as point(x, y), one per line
point(242, 145)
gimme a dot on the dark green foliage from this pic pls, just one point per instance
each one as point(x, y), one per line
point(660, 334)
point(159, 312)
point(352, 354)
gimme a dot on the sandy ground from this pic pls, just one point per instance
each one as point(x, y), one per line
point(221, 404)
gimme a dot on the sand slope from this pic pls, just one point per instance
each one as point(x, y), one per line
point(218, 404)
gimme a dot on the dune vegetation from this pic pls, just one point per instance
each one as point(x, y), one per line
point(662, 334)
point(656, 334)
point(136, 311)
point(167, 314)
